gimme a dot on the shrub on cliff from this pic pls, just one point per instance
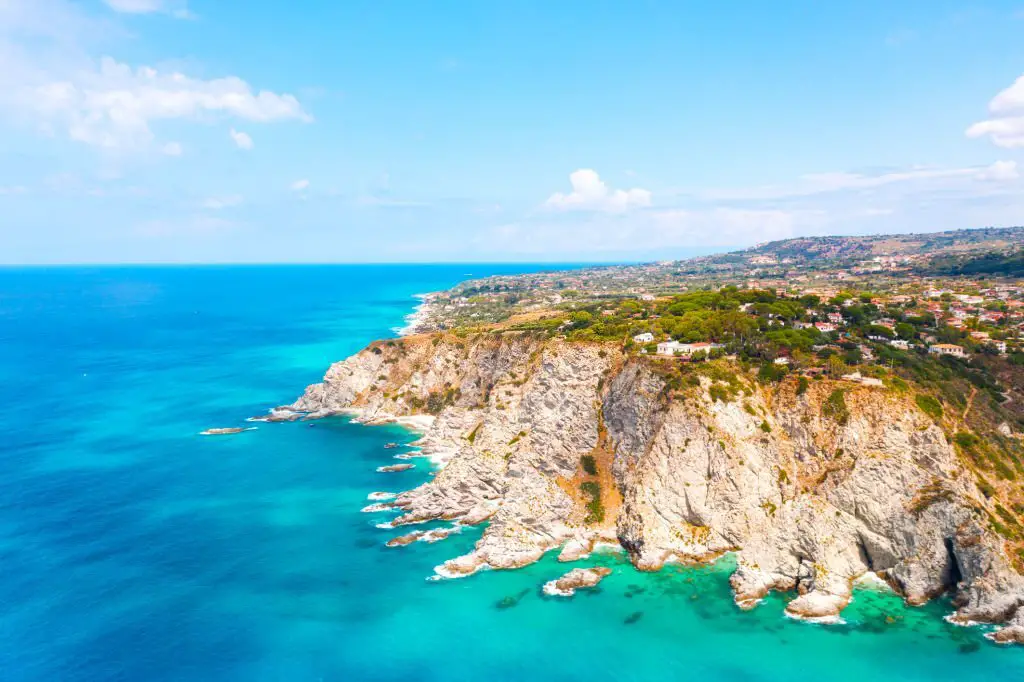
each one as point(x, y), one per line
point(835, 407)
point(595, 510)
point(929, 405)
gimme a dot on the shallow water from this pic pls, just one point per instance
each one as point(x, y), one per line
point(132, 548)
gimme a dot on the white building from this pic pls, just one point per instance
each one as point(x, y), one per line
point(902, 344)
point(947, 349)
point(862, 380)
point(646, 337)
point(674, 348)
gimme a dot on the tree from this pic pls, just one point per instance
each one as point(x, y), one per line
point(905, 331)
point(836, 367)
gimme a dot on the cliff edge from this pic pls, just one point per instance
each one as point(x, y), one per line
point(562, 445)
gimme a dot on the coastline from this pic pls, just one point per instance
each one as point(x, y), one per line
point(418, 321)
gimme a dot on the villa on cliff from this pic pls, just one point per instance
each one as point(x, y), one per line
point(947, 349)
point(677, 349)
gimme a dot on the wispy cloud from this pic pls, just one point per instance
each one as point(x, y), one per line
point(218, 203)
point(176, 8)
point(826, 183)
point(242, 140)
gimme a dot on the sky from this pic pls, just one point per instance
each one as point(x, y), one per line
point(185, 131)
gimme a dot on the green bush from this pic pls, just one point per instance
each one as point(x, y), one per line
point(801, 385)
point(965, 440)
point(589, 465)
point(595, 510)
point(929, 405)
point(771, 373)
point(835, 407)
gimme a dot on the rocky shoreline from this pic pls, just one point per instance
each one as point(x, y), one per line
point(422, 319)
point(562, 446)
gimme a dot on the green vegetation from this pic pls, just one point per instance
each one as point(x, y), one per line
point(1003, 265)
point(589, 464)
point(472, 434)
point(436, 400)
point(801, 385)
point(965, 440)
point(929, 405)
point(835, 408)
point(595, 510)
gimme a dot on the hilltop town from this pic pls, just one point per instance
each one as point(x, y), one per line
point(952, 293)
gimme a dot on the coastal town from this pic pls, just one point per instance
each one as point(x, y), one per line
point(814, 296)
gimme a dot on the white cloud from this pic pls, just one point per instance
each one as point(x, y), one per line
point(590, 193)
point(113, 106)
point(172, 149)
point(241, 139)
point(176, 8)
point(1005, 127)
point(1000, 171)
point(218, 203)
point(16, 189)
point(300, 185)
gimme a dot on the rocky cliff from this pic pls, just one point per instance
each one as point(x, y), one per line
point(561, 446)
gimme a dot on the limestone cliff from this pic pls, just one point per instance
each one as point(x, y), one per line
point(563, 445)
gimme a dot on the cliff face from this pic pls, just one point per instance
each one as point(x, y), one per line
point(564, 445)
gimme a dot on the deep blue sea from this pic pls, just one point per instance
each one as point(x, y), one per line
point(132, 548)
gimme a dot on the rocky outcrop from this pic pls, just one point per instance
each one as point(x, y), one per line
point(577, 578)
point(562, 445)
point(392, 468)
point(226, 431)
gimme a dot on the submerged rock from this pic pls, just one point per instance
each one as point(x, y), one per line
point(511, 600)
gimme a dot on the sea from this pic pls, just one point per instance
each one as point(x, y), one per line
point(133, 548)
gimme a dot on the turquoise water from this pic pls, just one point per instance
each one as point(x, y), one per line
point(133, 549)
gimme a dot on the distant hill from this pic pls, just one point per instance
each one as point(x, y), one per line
point(995, 263)
point(954, 252)
point(931, 243)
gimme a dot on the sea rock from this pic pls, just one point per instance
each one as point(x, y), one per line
point(226, 431)
point(377, 507)
point(575, 579)
point(390, 468)
point(406, 539)
point(685, 474)
point(1012, 633)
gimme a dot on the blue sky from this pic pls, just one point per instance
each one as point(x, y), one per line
point(262, 131)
